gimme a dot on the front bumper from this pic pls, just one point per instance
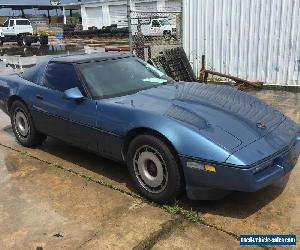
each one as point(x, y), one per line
point(201, 184)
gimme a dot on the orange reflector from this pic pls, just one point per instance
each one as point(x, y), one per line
point(209, 168)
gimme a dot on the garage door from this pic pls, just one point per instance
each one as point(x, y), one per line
point(94, 17)
point(173, 5)
point(118, 15)
point(146, 6)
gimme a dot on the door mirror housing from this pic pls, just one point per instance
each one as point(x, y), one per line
point(73, 94)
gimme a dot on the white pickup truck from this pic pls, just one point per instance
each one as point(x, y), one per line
point(159, 27)
point(20, 30)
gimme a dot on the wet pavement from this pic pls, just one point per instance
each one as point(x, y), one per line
point(57, 196)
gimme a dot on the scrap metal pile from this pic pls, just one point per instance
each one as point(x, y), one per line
point(175, 64)
point(239, 83)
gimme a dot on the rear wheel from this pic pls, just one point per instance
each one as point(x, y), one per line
point(21, 41)
point(23, 126)
point(154, 169)
point(167, 35)
point(44, 40)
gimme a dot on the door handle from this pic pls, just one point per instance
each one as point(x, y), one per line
point(39, 97)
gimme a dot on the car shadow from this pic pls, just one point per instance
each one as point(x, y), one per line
point(90, 161)
point(238, 205)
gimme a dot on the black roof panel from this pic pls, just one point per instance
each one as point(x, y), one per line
point(81, 58)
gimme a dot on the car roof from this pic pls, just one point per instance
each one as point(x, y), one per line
point(82, 58)
point(16, 18)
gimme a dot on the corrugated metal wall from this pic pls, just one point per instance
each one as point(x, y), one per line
point(252, 39)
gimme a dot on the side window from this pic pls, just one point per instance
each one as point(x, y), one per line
point(11, 23)
point(22, 22)
point(61, 76)
point(155, 23)
point(5, 24)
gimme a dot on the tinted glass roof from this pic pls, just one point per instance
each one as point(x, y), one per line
point(35, 73)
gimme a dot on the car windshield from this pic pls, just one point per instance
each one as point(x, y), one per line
point(120, 77)
point(164, 22)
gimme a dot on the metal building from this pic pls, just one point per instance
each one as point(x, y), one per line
point(107, 12)
point(253, 39)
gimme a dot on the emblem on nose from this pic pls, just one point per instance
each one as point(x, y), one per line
point(261, 125)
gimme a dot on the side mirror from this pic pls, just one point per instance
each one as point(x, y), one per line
point(73, 94)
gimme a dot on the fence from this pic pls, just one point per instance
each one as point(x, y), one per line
point(151, 30)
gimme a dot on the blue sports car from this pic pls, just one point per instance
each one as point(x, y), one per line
point(207, 139)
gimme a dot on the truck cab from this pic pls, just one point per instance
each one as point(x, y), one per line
point(20, 30)
point(16, 27)
point(159, 27)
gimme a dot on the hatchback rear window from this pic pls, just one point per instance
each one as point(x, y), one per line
point(23, 22)
point(34, 73)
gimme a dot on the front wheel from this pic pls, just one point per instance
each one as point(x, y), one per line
point(21, 41)
point(23, 127)
point(154, 169)
point(167, 35)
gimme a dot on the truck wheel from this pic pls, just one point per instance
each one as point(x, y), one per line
point(167, 35)
point(154, 169)
point(21, 41)
point(44, 40)
point(23, 126)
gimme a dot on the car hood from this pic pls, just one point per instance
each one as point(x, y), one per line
point(227, 116)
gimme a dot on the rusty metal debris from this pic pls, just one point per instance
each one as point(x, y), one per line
point(239, 82)
point(175, 63)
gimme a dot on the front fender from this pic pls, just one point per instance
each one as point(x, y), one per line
point(187, 140)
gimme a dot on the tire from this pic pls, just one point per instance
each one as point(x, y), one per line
point(1, 42)
point(167, 35)
point(154, 169)
point(23, 126)
point(21, 41)
point(44, 40)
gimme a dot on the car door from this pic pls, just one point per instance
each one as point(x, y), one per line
point(60, 117)
point(11, 28)
point(6, 28)
point(155, 28)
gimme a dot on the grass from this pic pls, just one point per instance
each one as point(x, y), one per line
point(192, 216)
point(256, 248)
point(24, 153)
point(189, 215)
point(174, 209)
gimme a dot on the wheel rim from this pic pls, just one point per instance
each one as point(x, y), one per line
point(21, 123)
point(167, 36)
point(150, 169)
